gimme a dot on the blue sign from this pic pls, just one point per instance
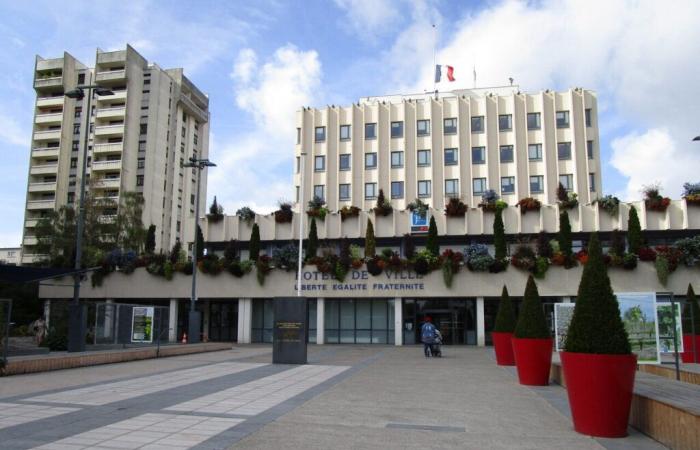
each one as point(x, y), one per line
point(419, 223)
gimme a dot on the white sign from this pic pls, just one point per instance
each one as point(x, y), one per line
point(142, 324)
point(665, 319)
point(563, 312)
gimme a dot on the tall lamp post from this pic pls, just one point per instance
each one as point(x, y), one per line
point(301, 220)
point(76, 317)
point(194, 316)
point(696, 138)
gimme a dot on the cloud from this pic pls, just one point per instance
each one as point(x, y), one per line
point(369, 18)
point(12, 133)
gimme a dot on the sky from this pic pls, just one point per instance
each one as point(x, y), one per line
point(260, 61)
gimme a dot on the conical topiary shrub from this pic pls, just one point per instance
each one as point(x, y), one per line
point(502, 333)
point(598, 364)
point(634, 232)
point(431, 243)
point(691, 328)
point(312, 242)
point(532, 342)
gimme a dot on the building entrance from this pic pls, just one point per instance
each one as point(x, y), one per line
point(455, 318)
point(223, 321)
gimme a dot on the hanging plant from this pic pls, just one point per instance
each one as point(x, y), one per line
point(529, 204)
point(246, 214)
point(653, 199)
point(418, 206)
point(455, 208)
point(383, 207)
point(609, 204)
point(349, 211)
point(317, 208)
point(375, 266)
point(565, 199)
point(450, 261)
point(284, 214)
point(491, 202)
point(691, 193)
point(263, 268)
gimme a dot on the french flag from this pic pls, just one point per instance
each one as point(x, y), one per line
point(438, 73)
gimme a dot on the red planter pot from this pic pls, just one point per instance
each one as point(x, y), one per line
point(533, 357)
point(504, 348)
point(687, 356)
point(600, 389)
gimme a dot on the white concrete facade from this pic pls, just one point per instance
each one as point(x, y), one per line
point(10, 255)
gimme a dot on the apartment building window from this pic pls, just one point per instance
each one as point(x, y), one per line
point(536, 184)
point(449, 125)
point(195, 139)
point(370, 131)
point(298, 164)
point(345, 132)
point(423, 158)
point(184, 117)
point(452, 188)
point(506, 153)
point(319, 191)
point(78, 112)
point(144, 129)
point(319, 163)
point(298, 135)
point(297, 193)
point(534, 152)
point(142, 146)
point(344, 192)
point(396, 160)
point(423, 188)
point(588, 117)
point(478, 124)
point(589, 149)
point(505, 122)
point(567, 180)
point(562, 119)
point(320, 134)
point(141, 163)
point(370, 160)
point(451, 156)
point(591, 181)
point(533, 121)
point(479, 185)
point(71, 197)
point(507, 185)
point(423, 127)
point(81, 78)
point(75, 146)
point(397, 189)
point(177, 227)
point(396, 129)
point(76, 128)
point(478, 155)
point(73, 163)
point(139, 180)
point(564, 150)
point(345, 162)
point(370, 191)
point(192, 199)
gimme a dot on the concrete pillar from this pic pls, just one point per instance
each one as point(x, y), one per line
point(172, 320)
point(245, 320)
point(320, 321)
point(480, 324)
point(109, 318)
point(205, 319)
point(398, 321)
point(47, 313)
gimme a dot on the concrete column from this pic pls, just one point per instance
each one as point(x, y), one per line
point(398, 321)
point(205, 319)
point(109, 317)
point(172, 320)
point(245, 320)
point(320, 321)
point(47, 313)
point(480, 325)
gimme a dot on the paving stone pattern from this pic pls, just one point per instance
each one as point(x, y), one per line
point(12, 414)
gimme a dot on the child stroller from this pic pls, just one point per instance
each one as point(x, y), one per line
point(435, 347)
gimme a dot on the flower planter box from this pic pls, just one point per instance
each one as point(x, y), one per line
point(533, 358)
point(600, 389)
point(503, 346)
point(688, 356)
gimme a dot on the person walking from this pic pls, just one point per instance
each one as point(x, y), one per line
point(427, 335)
point(39, 328)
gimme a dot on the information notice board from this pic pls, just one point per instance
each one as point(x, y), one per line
point(142, 324)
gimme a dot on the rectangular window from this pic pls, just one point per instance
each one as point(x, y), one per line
point(345, 132)
point(423, 127)
point(139, 180)
point(452, 188)
point(588, 117)
point(319, 163)
point(567, 180)
point(505, 122)
point(345, 161)
point(297, 197)
point(536, 184)
point(424, 188)
point(320, 134)
point(370, 160)
point(564, 150)
point(451, 156)
point(507, 185)
point(478, 155)
point(344, 192)
point(591, 181)
point(478, 124)
point(76, 128)
point(450, 125)
point(533, 121)
point(506, 153)
point(298, 135)
point(370, 191)
point(589, 149)
point(73, 163)
point(319, 191)
point(141, 163)
point(423, 158)
point(396, 129)
point(370, 131)
point(397, 189)
point(298, 164)
point(396, 160)
point(78, 112)
point(562, 119)
point(479, 185)
point(75, 146)
point(534, 152)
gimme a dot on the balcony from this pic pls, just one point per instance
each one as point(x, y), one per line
point(47, 135)
point(31, 223)
point(49, 118)
point(42, 187)
point(107, 218)
point(29, 258)
point(106, 165)
point(118, 95)
point(50, 101)
point(108, 198)
point(111, 75)
point(191, 107)
point(111, 57)
point(48, 82)
point(30, 240)
point(33, 205)
point(108, 183)
point(108, 113)
point(45, 152)
point(43, 169)
point(109, 130)
point(115, 147)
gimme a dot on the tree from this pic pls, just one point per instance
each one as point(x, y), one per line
point(596, 326)
point(200, 243)
point(617, 243)
point(312, 242)
point(564, 236)
point(176, 252)
point(150, 245)
point(231, 251)
point(634, 232)
point(531, 323)
point(505, 318)
point(130, 232)
point(254, 244)
point(499, 236)
point(691, 314)
point(215, 209)
point(370, 250)
point(432, 244)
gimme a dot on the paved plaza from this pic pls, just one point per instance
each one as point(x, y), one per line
point(347, 397)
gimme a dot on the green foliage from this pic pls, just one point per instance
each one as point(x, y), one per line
point(56, 340)
point(432, 244)
point(499, 235)
point(254, 244)
point(231, 251)
point(129, 229)
point(541, 267)
point(177, 255)
point(246, 214)
point(287, 257)
point(216, 211)
point(505, 318)
point(596, 326)
point(370, 244)
point(531, 323)
point(418, 206)
point(564, 235)
point(617, 243)
point(200, 243)
point(663, 269)
point(312, 242)
point(691, 319)
point(610, 204)
point(150, 245)
point(168, 270)
point(634, 232)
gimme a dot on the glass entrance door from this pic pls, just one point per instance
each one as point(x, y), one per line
point(454, 318)
point(223, 321)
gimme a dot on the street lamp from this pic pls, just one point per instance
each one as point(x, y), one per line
point(696, 138)
point(76, 318)
point(301, 219)
point(194, 316)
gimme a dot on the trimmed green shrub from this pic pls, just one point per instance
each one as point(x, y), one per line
point(370, 249)
point(617, 243)
point(200, 243)
point(499, 235)
point(663, 269)
point(505, 318)
point(634, 232)
point(531, 322)
point(432, 243)
point(312, 242)
point(691, 303)
point(564, 236)
point(596, 326)
point(254, 244)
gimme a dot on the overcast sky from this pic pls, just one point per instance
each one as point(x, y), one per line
point(260, 61)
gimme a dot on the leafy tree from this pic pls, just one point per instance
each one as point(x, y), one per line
point(176, 252)
point(531, 322)
point(505, 318)
point(690, 326)
point(312, 242)
point(617, 243)
point(231, 251)
point(254, 244)
point(564, 236)
point(130, 232)
point(596, 326)
point(432, 242)
point(634, 232)
point(200, 243)
point(215, 209)
point(370, 249)
point(499, 235)
point(150, 245)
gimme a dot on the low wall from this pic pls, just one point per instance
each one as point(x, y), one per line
point(670, 373)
